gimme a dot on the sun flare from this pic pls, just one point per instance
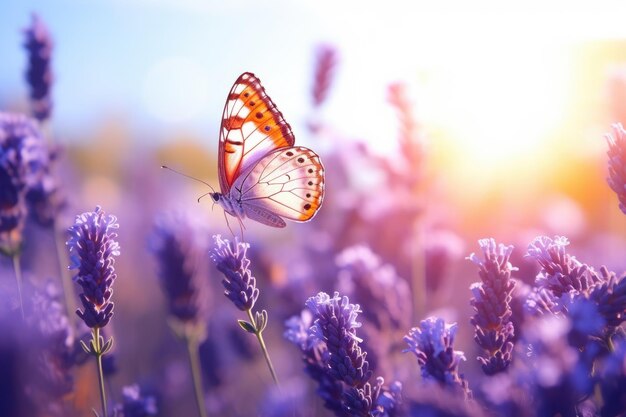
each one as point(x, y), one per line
point(498, 106)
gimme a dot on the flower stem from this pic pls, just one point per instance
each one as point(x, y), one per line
point(98, 348)
point(194, 365)
point(259, 336)
point(66, 280)
point(18, 279)
point(59, 244)
point(418, 274)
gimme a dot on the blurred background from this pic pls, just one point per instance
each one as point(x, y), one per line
point(437, 124)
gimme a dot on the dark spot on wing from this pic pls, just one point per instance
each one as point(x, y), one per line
point(267, 128)
point(310, 182)
point(310, 170)
point(259, 115)
point(308, 195)
point(252, 103)
point(307, 206)
point(301, 159)
point(289, 153)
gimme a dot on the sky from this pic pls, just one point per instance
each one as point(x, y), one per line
point(166, 65)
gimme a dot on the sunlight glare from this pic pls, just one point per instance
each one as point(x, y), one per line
point(498, 102)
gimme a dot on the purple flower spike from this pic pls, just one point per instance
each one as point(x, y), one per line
point(366, 279)
point(315, 358)
point(492, 303)
point(178, 245)
point(432, 342)
point(326, 58)
point(231, 260)
point(560, 272)
point(38, 43)
point(92, 247)
point(333, 357)
point(335, 324)
point(22, 159)
point(617, 163)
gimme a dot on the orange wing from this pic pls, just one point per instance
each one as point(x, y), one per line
point(251, 128)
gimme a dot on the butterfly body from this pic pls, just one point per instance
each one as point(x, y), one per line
point(263, 176)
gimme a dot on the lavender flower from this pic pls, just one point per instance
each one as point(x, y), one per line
point(92, 247)
point(335, 324)
point(325, 62)
point(231, 260)
point(135, 405)
point(48, 355)
point(45, 198)
point(364, 277)
point(540, 301)
point(315, 357)
point(298, 330)
point(441, 249)
point(411, 139)
point(492, 302)
point(609, 294)
point(178, 246)
point(38, 43)
point(563, 280)
point(560, 272)
point(341, 359)
point(617, 163)
point(432, 342)
point(21, 161)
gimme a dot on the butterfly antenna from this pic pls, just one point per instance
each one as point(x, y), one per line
point(204, 195)
point(190, 177)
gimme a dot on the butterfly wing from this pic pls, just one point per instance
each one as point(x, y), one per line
point(251, 128)
point(261, 215)
point(287, 183)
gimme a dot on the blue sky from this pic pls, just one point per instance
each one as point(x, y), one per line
point(113, 57)
point(166, 65)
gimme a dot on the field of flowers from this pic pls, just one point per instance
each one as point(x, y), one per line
point(389, 302)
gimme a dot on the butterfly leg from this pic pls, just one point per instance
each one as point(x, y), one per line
point(241, 228)
point(228, 224)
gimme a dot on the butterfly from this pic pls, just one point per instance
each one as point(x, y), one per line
point(262, 175)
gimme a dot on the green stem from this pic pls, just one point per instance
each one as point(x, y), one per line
point(18, 279)
point(66, 279)
point(418, 274)
point(194, 364)
point(609, 343)
point(266, 354)
point(98, 348)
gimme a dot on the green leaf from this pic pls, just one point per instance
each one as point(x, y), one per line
point(84, 346)
point(92, 348)
point(248, 327)
point(107, 346)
